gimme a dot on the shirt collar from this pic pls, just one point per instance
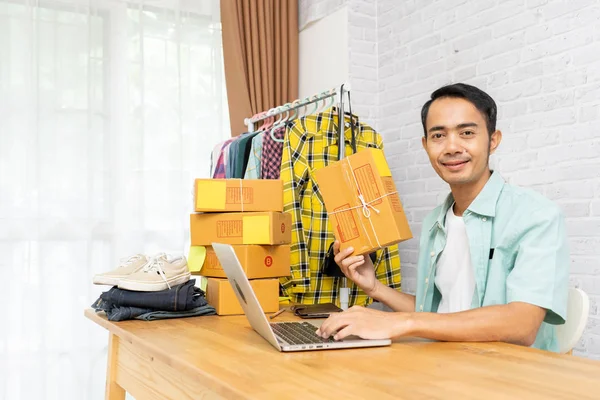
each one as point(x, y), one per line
point(327, 127)
point(484, 203)
point(439, 220)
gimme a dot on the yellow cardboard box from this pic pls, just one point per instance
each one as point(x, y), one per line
point(220, 195)
point(241, 228)
point(220, 295)
point(363, 205)
point(258, 262)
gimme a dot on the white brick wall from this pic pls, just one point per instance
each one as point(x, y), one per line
point(362, 48)
point(363, 60)
point(540, 61)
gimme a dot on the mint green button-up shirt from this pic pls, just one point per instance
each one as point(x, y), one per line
point(519, 252)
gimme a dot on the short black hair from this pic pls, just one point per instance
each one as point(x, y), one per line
point(480, 99)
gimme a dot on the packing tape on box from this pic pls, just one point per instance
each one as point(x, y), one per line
point(242, 194)
point(365, 205)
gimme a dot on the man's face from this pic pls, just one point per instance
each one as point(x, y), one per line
point(457, 143)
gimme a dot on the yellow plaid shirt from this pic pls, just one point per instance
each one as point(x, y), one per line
point(311, 143)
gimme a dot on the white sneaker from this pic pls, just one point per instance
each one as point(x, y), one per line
point(159, 273)
point(128, 266)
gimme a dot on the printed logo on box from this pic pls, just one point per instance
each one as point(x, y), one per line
point(212, 261)
point(282, 228)
point(367, 184)
point(346, 224)
point(390, 188)
point(268, 261)
point(233, 195)
point(228, 229)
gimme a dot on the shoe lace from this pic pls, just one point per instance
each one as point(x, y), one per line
point(125, 262)
point(155, 265)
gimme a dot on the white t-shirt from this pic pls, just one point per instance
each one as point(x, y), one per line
point(455, 278)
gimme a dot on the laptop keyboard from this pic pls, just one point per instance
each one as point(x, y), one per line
point(298, 333)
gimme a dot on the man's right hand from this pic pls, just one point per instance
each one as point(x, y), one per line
point(359, 269)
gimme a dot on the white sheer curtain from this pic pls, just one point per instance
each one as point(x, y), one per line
point(108, 111)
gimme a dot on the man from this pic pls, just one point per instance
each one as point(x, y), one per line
point(493, 262)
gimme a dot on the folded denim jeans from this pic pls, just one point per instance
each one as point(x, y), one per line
point(128, 313)
point(179, 298)
point(185, 300)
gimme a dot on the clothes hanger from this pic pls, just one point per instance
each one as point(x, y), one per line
point(279, 111)
point(331, 98)
point(260, 114)
point(268, 121)
point(283, 120)
point(324, 102)
point(288, 106)
point(314, 98)
point(274, 138)
point(307, 102)
point(294, 105)
point(304, 106)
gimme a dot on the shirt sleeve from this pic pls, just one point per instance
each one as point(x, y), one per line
point(541, 271)
point(293, 174)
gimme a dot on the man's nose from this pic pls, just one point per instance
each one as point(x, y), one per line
point(453, 144)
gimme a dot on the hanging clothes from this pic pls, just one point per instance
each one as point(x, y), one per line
point(240, 161)
point(253, 170)
point(232, 155)
point(214, 157)
point(271, 155)
point(219, 169)
point(311, 143)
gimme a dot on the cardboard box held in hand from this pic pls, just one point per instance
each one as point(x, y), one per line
point(362, 202)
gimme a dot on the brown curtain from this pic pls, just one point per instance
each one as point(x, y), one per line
point(260, 48)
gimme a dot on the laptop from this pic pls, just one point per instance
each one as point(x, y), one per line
point(284, 336)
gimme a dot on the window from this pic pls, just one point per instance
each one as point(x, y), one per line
point(108, 111)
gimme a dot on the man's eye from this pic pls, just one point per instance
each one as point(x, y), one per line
point(437, 136)
point(468, 133)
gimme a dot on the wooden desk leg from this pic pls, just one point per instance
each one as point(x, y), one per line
point(113, 390)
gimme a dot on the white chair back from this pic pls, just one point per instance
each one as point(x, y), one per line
point(578, 309)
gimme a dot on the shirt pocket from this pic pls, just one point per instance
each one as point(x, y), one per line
point(499, 268)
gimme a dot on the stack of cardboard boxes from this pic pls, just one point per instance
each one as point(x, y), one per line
point(246, 214)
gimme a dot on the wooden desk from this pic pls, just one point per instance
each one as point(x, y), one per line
point(222, 357)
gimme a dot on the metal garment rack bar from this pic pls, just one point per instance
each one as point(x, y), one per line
point(299, 103)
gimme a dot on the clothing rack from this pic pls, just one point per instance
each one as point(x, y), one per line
point(299, 103)
point(296, 104)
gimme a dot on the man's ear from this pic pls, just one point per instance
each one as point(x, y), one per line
point(495, 140)
point(424, 142)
